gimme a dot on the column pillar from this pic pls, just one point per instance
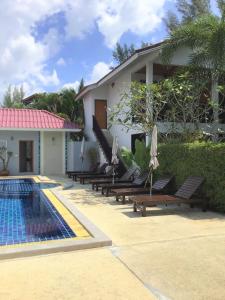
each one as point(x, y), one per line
point(41, 152)
point(149, 80)
point(63, 153)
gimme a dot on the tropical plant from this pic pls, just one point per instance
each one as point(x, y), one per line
point(205, 37)
point(62, 103)
point(5, 157)
point(13, 97)
point(126, 156)
point(188, 11)
point(122, 52)
point(93, 155)
point(141, 155)
point(182, 102)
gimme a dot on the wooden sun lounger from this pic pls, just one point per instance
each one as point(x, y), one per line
point(93, 169)
point(184, 195)
point(98, 182)
point(161, 185)
point(99, 171)
point(86, 178)
point(74, 176)
point(126, 178)
point(139, 181)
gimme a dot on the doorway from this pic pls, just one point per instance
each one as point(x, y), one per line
point(25, 156)
point(140, 136)
point(101, 113)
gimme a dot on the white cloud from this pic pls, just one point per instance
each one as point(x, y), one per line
point(49, 79)
point(113, 18)
point(52, 41)
point(81, 17)
point(71, 85)
point(24, 57)
point(99, 70)
point(61, 62)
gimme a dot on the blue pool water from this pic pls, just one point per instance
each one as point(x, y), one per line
point(26, 214)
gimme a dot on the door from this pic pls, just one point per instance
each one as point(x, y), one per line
point(101, 113)
point(134, 137)
point(25, 156)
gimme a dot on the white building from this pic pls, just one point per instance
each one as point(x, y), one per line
point(144, 65)
point(37, 140)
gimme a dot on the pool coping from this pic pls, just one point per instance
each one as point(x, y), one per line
point(97, 238)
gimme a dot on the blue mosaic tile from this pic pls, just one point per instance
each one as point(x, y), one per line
point(26, 214)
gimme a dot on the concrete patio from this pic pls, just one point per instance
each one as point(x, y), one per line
point(174, 253)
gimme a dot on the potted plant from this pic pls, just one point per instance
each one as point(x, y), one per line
point(93, 155)
point(5, 158)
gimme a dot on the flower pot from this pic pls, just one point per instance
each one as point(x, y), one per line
point(4, 173)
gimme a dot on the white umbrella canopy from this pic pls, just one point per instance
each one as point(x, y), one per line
point(114, 159)
point(115, 147)
point(82, 149)
point(153, 150)
point(153, 164)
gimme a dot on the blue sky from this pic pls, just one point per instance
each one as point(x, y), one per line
point(48, 45)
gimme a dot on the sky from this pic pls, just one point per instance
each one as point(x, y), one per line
point(50, 45)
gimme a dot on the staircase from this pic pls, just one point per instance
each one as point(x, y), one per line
point(106, 147)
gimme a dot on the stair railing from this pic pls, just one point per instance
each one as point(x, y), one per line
point(107, 149)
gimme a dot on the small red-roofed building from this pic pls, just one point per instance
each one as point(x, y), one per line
point(37, 140)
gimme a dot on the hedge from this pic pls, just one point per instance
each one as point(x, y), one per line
point(205, 159)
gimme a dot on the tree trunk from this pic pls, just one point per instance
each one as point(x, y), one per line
point(215, 99)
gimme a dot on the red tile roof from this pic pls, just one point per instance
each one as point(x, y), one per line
point(32, 119)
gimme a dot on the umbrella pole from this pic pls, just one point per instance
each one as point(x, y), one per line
point(82, 164)
point(113, 181)
point(151, 182)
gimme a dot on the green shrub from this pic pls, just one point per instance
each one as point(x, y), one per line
point(205, 159)
point(93, 155)
point(201, 159)
point(127, 156)
point(141, 156)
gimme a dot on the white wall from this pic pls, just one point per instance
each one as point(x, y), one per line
point(52, 153)
point(113, 90)
point(180, 58)
point(121, 85)
point(74, 162)
point(13, 138)
point(100, 93)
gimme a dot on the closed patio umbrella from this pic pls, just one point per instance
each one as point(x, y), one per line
point(114, 159)
point(153, 164)
point(82, 151)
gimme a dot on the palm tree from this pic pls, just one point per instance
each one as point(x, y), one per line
point(206, 38)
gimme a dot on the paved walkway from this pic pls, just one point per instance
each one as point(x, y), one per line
point(177, 253)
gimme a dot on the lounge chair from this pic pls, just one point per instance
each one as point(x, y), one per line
point(137, 182)
point(86, 178)
point(99, 171)
point(160, 186)
point(93, 169)
point(184, 195)
point(126, 178)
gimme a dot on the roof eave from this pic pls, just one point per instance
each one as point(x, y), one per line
point(116, 71)
point(41, 129)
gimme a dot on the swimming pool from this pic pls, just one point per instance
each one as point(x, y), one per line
point(27, 215)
